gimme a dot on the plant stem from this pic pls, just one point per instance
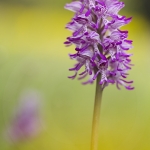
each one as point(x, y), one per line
point(96, 114)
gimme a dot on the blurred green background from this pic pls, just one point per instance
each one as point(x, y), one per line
point(32, 56)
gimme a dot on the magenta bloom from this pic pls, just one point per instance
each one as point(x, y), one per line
point(101, 47)
point(26, 122)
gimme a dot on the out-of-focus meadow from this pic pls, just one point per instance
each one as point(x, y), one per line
point(32, 56)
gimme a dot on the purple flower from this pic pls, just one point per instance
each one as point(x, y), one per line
point(27, 120)
point(101, 47)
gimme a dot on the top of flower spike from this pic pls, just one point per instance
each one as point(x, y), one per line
point(101, 47)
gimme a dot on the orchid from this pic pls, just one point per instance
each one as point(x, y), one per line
point(101, 47)
point(27, 121)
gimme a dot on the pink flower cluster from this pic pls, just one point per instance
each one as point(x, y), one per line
point(101, 47)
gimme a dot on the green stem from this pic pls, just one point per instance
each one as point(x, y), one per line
point(96, 115)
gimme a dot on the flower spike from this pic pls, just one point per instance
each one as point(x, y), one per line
point(101, 47)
